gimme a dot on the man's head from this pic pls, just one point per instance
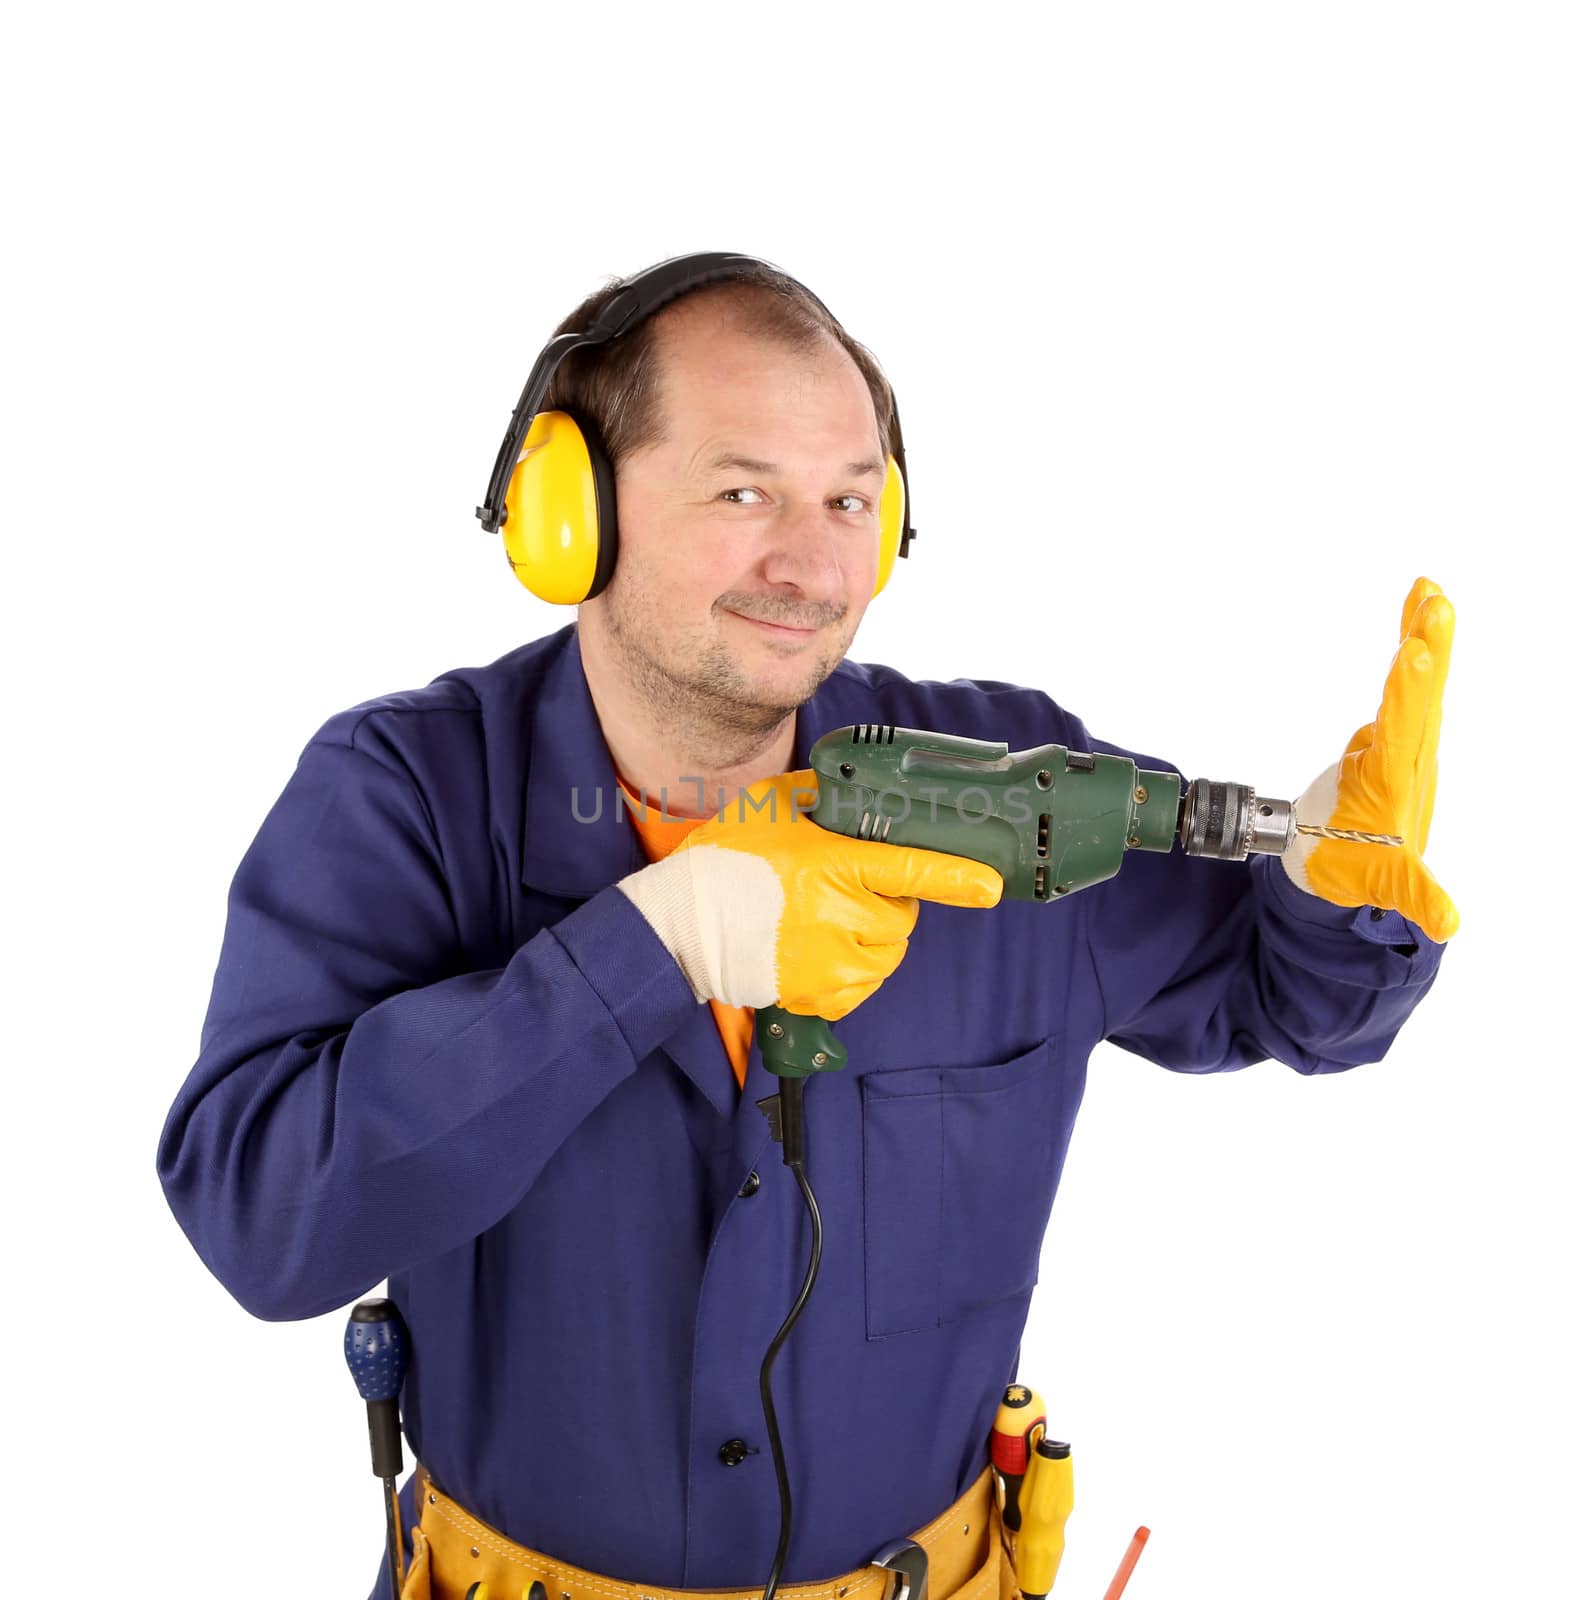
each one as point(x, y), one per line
point(750, 437)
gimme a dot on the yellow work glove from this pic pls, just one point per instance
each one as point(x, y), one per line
point(769, 908)
point(1385, 783)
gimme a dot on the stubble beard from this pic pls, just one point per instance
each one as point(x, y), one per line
point(708, 702)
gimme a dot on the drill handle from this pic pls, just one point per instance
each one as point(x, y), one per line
point(796, 1046)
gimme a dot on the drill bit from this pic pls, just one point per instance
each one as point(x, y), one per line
point(1350, 833)
point(1230, 821)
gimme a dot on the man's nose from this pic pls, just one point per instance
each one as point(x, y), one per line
point(805, 548)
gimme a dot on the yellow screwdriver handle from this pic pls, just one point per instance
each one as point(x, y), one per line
point(1046, 1499)
point(1021, 1420)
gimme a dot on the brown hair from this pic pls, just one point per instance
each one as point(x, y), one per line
point(616, 385)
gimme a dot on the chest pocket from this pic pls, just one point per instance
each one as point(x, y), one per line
point(960, 1168)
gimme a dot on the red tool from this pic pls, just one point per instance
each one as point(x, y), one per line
point(1133, 1554)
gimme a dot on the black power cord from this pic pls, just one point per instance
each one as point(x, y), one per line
point(786, 1123)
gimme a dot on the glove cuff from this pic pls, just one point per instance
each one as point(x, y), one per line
point(663, 892)
point(718, 911)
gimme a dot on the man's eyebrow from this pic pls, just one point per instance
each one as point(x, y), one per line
point(749, 464)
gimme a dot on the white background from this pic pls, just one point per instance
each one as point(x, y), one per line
point(1213, 328)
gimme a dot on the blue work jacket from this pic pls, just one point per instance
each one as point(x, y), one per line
point(443, 1049)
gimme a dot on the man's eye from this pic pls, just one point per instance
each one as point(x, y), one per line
point(860, 504)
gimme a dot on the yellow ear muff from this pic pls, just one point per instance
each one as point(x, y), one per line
point(551, 529)
point(891, 518)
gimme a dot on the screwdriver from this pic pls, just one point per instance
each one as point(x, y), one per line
point(1046, 1499)
point(376, 1346)
point(1021, 1418)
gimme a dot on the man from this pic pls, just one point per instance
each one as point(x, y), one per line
point(468, 1038)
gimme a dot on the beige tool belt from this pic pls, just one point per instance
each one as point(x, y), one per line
point(966, 1548)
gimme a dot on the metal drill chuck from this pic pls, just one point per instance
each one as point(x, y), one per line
point(1228, 822)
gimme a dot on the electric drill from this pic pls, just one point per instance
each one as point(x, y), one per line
point(1049, 820)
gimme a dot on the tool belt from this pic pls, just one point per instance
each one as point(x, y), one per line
point(967, 1553)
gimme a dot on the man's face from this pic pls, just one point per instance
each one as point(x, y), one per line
point(749, 536)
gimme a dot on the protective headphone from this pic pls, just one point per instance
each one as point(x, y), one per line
point(553, 487)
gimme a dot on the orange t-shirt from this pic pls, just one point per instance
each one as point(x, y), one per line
point(661, 833)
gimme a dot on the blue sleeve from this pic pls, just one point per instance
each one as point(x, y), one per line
point(1207, 966)
point(361, 1102)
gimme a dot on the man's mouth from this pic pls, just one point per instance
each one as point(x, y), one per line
point(777, 629)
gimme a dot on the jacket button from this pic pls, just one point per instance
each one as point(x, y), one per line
point(750, 1186)
point(733, 1453)
point(1377, 915)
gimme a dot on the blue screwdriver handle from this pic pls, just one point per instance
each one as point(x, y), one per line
point(377, 1348)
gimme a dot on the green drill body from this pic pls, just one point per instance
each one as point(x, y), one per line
point(1050, 821)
